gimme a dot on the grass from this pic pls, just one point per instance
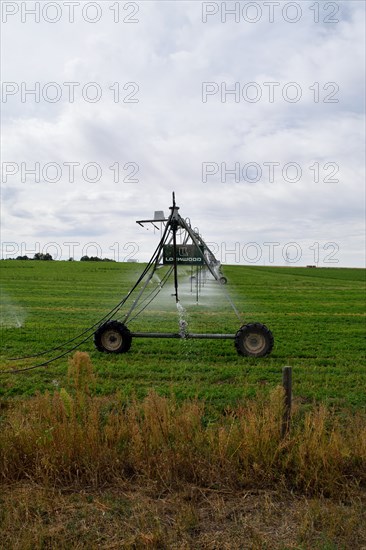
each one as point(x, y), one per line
point(72, 437)
point(84, 471)
point(141, 516)
point(316, 315)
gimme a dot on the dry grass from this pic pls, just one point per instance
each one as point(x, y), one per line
point(208, 481)
point(139, 515)
point(72, 438)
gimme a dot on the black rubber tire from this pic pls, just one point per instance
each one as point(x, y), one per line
point(223, 280)
point(254, 339)
point(113, 337)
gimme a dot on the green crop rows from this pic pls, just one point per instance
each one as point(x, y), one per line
point(317, 317)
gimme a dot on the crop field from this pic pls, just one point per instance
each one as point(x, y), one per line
point(317, 317)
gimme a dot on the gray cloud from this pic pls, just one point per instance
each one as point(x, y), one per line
point(170, 132)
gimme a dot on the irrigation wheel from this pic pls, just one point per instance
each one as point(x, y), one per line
point(113, 337)
point(254, 339)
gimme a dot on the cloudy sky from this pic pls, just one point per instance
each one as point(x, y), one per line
point(252, 112)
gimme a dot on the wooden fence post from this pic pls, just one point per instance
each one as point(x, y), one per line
point(287, 386)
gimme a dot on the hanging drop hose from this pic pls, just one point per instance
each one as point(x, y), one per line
point(197, 242)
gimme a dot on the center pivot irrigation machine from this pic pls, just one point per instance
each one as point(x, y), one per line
point(114, 336)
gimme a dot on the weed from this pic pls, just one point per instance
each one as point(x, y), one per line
point(84, 440)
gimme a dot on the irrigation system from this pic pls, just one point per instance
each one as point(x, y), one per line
point(179, 245)
point(114, 336)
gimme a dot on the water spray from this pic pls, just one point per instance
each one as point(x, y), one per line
point(183, 324)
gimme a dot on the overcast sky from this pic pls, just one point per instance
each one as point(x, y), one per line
point(131, 101)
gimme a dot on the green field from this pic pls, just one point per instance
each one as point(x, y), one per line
point(317, 317)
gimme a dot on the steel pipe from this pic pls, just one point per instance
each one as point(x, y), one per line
point(186, 336)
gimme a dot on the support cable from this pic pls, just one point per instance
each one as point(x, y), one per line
point(105, 318)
